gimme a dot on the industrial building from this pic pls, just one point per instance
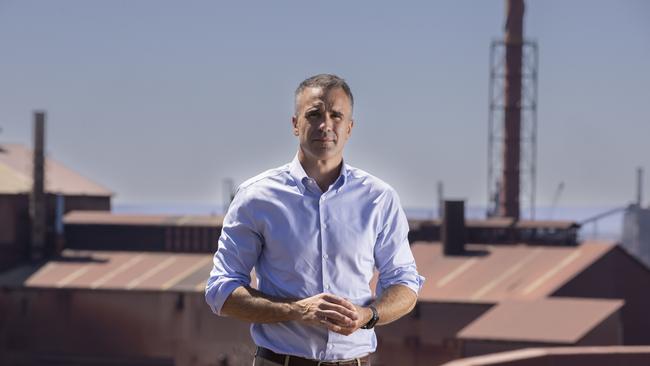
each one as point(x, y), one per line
point(504, 230)
point(636, 231)
point(117, 307)
point(497, 298)
point(64, 190)
point(94, 230)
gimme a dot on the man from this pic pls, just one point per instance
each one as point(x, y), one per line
point(315, 230)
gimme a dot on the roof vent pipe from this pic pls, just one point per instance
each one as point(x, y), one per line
point(37, 197)
point(453, 231)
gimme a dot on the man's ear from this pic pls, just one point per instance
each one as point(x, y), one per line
point(350, 127)
point(294, 123)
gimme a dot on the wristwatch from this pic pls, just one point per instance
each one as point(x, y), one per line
point(373, 321)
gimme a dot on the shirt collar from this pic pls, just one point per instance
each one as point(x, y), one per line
point(298, 173)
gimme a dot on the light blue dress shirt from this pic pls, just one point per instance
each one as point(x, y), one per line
point(303, 242)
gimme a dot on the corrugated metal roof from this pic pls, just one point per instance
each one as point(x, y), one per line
point(605, 355)
point(493, 273)
point(16, 175)
point(109, 218)
point(549, 320)
point(11, 181)
point(117, 271)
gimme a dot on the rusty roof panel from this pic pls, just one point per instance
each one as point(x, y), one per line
point(122, 271)
point(12, 182)
point(16, 175)
point(603, 355)
point(549, 320)
point(492, 273)
point(109, 218)
point(167, 272)
point(196, 280)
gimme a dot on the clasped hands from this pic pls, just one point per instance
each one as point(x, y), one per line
point(332, 312)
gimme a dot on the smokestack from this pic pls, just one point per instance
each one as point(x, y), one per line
point(639, 186)
point(509, 197)
point(37, 198)
point(453, 228)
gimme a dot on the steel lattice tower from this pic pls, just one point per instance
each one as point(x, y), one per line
point(497, 139)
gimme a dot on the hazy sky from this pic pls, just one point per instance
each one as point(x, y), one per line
point(160, 100)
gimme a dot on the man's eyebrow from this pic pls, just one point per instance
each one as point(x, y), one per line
point(316, 105)
point(337, 111)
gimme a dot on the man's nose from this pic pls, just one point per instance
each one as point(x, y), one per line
point(327, 124)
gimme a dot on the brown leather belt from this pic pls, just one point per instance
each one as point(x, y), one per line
point(267, 354)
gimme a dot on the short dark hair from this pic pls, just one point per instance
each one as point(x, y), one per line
point(326, 82)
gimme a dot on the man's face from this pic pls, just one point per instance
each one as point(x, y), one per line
point(323, 122)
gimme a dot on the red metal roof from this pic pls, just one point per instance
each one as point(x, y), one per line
point(16, 175)
point(117, 271)
point(493, 273)
point(504, 272)
point(109, 218)
point(601, 355)
point(549, 320)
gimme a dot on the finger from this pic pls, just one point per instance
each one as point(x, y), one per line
point(338, 329)
point(335, 317)
point(353, 315)
point(339, 300)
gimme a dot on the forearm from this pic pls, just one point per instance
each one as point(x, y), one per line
point(324, 310)
point(248, 304)
point(395, 302)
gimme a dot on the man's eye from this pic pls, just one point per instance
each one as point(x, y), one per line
point(313, 114)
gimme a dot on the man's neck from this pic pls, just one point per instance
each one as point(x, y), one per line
point(324, 172)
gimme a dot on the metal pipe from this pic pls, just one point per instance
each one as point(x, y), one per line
point(37, 202)
point(639, 186)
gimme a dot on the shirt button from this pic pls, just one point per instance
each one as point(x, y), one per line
point(330, 346)
point(325, 256)
point(327, 286)
point(324, 225)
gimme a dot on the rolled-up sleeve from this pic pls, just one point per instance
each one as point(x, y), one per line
point(239, 248)
point(393, 257)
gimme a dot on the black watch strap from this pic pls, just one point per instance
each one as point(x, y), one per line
point(373, 321)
